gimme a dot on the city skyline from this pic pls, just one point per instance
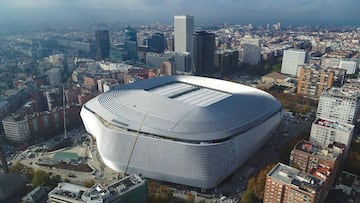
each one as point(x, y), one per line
point(303, 12)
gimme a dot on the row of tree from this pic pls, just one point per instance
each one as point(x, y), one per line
point(40, 177)
point(256, 186)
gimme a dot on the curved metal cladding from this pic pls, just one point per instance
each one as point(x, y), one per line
point(202, 163)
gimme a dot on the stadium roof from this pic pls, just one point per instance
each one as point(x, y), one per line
point(185, 107)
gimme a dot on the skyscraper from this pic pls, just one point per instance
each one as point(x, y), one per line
point(157, 43)
point(203, 52)
point(183, 30)
point(102, 44)
point(226, 61)
point(291, 59)
point(130, 43)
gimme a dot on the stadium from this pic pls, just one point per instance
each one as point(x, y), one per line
point(188, 130)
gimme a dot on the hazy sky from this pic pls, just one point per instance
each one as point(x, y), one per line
point(296, 12)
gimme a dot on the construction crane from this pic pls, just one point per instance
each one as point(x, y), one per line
point(133, 147)
point(64, 111)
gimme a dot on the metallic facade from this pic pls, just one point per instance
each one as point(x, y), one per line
point(191, 130)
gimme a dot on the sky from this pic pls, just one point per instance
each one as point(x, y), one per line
point(288, 12)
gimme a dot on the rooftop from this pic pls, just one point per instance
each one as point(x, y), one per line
point(296, 178)
point(322, 172)
point(126, 184)
point(334, 125)
point(348, 91)
point(317, 150)
point(69, 191)
point(185, 107)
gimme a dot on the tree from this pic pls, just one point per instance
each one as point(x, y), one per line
point(352, 161)
point(89, 183)
point(247, 197)
point(22, 169)
point(40, 177)
point(256, 186)
point(54, 180)
point(190, 197)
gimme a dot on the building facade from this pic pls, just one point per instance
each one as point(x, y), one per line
point(313, 80)
point(325, 132)
point(288, 184)
point(183, 31)
point(203, 51)
point(251, 51)
point(339, 104)
point(321, 162)
point(292, 58)
point(349, 66)
point(102, 42)
point(226, 61)
point(54, 76)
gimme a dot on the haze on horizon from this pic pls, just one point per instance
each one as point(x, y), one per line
point(298, 12)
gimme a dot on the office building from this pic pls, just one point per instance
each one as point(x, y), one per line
point(193, 132)
point(313, 80)
point(226, 61)
point(349, 66)
point(251, 51)
point(182, 60)
point(156, 43)
point(170, 44)
point(339, 104)
point(102, 43)
point(292, 58)
point(287, 184)
point(54, 76)
point(183, 31)
point(203, 51)
point(131, 189)
point(130, 43)
point(324, 132)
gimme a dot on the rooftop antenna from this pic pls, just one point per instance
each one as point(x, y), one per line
point(64, 110)
point(133, 147)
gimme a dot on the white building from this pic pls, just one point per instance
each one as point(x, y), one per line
point(129, 189)
point(16, 128)
point(252, 51)
point(291, 59)
point(183, 30)
point(325, 132)
point(181, 123)
point(54, 75)
point(349, 66)
point(339, 104)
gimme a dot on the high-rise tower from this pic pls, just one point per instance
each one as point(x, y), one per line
point(183, 30)
point(102, 44)
point(203, 52)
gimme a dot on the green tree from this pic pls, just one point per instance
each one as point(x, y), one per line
point(22, 169)
point(40, 177)
point(54, 180)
